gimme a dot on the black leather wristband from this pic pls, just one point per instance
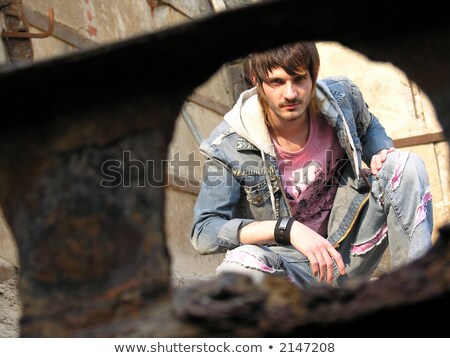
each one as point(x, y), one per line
point(282, 230)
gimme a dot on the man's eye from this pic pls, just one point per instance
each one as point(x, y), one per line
point(276, 82)
point(300, 78)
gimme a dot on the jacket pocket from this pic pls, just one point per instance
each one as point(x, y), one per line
point(258, 194)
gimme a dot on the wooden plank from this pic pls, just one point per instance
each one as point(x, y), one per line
point(419, 139)
point(208, 103)
point(61, 31)
point(218, 5)
point(191, 8)
point(3, 49)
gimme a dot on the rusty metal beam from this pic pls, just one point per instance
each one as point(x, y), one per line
point(94, 261)
point(25, 34)
point(19, 49)
point(136, 60)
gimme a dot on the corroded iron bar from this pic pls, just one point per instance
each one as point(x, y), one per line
point(94, 259)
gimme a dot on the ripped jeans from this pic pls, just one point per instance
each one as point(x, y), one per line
point(400, 208)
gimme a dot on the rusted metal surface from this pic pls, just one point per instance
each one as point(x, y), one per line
point(20, 50)
point(97, 253)
point(94, 261)
point(22, 32)
point(360, 309)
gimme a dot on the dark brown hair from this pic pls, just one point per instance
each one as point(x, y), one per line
point(294, 59)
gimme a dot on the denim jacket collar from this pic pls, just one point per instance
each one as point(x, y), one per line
point(247, 120)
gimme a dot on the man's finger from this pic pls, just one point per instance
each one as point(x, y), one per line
point(330, 266)
point(314, 264)
point(322, 266)
point(338, 259)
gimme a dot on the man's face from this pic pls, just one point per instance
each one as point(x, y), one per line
point(287, 96)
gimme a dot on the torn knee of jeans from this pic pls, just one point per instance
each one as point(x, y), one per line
point(399, 168)
point(359, 249)
point(248, 260)
point(421, 210)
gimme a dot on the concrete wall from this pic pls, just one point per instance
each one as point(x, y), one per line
point(403, 109)
point(182, 193)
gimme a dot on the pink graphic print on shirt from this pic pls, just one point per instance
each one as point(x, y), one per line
point(309, 175)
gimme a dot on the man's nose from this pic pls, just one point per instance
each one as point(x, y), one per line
point(290, 91)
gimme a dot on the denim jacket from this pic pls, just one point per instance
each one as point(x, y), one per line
point(241, 181)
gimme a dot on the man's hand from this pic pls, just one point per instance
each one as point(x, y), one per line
point(378, 159)
point(318, 250)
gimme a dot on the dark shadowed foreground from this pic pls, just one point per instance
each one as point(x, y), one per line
point(94, 260)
